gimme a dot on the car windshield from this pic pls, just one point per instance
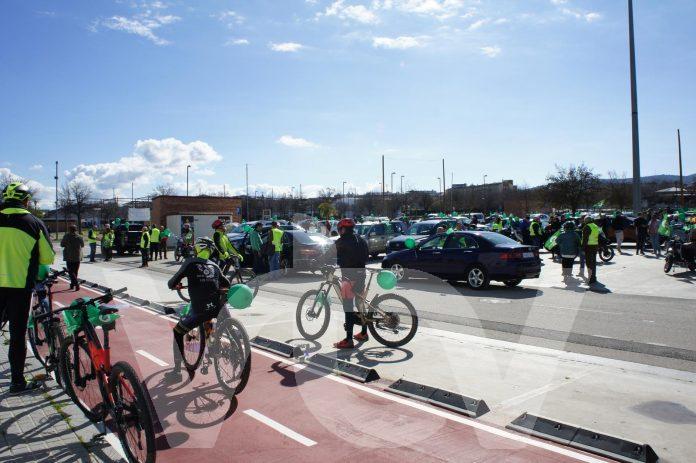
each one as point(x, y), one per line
point(421, 229)
point(497, 239)
point(361, 229)
point(239, 229)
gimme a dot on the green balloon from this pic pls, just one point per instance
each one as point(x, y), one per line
point(247, 228)
point(410, 243)
point(44, 271)
point(240, 296)
point(386, 280)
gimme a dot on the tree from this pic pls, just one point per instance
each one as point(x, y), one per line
point(74, 197)
point(326, 210)
point(619, 190)
point(572, 187)
point(164, 189)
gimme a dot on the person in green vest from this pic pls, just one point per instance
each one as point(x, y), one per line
point(92, 240)
point(224, 250)
point(24, 245)
point(144, 246)
point(256, 243)
point(164, 237)
point(154, 242)
point(275, 235)
point(590, 244)
point(535, 232)
point(107, 242)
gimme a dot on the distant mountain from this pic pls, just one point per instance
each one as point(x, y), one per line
point(663, 178)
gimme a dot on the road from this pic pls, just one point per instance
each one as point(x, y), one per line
point(290, 412)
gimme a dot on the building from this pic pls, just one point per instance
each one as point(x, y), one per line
point(199, 211)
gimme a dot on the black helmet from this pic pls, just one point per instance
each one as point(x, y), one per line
point(16, 191)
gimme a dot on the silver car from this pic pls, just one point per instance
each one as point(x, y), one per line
point(378, 234)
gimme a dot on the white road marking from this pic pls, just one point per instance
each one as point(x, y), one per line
point(59, 304)
point(151, 357)
point(444, 414)
point(280, 428)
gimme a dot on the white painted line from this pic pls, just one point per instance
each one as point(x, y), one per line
point(280, 428)
point(279, 322)
point(113, 441)
point(59, 304)
point(151, 357)
point(168, 318)
point(444, 414)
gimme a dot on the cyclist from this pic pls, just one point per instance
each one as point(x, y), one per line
point(351, 254)
point(205, 279)
point(24, 245)
point(223, 248)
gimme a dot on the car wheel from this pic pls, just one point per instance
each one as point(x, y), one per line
point(398, 270)
point(512, 283)
point(477, 277)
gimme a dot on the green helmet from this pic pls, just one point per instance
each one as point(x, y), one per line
point(16, 191)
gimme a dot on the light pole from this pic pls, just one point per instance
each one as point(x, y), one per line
point(402, 184)
point(681, 176)
point(246, 171)
point(634, 112)
point(187, 178)
point(484, 192)
point(439, 185)
point(392, 181)
point(56, 217)
point(344, 188)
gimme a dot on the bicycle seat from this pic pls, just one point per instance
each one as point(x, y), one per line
point(105, 310)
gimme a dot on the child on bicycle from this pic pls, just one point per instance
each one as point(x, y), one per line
point(205, 280)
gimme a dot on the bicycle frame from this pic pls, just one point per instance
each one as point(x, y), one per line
point(364, 305)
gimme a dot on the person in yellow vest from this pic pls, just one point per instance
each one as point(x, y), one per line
point(590, 244)
point(107, 242)
point(154, 242)
point(535, 232)
point(275, 235)
point(144, 245)
point(92, 240)
point(497, 225)
point(224, 250)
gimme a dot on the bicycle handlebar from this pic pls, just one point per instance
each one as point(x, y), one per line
point(82, 305)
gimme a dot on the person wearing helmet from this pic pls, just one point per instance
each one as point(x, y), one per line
point(205, 279)
point(351, 254)
point(24, 245)
point(568, 243)
point(223, 250)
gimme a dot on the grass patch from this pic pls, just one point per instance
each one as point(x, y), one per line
point(58, 407)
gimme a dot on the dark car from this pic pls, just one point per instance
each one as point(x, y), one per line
point(128, 241)
point(474, 257)
point(418, 231)
point(304, 251)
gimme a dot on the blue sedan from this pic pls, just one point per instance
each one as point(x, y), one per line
point(471, 256)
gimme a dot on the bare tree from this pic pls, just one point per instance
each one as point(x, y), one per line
point(164, 189)
point(571, 187)
point(74, 197)
point(619, 190)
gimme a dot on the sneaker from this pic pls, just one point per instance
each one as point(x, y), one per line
point(173, 376)
point(345, 344)
point(361, 337)
point(77, 288)
point(17, 389)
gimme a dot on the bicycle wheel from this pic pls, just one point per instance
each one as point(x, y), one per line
point(248, 277)
point(81, 380)
point(194, 346)
point(606, 254)
point(231, 356)
point(313, 314)
point(133, 415)
point(38, 341)
point(398, 323)
point(55, 342)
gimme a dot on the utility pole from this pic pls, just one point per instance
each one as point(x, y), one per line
point(484, 193)
point(402, 184)
point(443, 184)
point(187, 177)
point(133, 194)
point(56, 217)
point(391, 190)
point(382, 178)
point(344, 189)
point(452, 192)
point(681, 177)
point(246, 168)
point(634, 113)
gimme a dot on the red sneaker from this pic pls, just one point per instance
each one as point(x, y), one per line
point(361, 337)
point(345, 344)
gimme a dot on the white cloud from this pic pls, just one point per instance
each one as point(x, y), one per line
point(143, 25)
point(230, 18)
point(36, 167)
point(491, 51)
point(440, 9)
point(592, 16)
point(359, 13)
point(477, 24)
point(286, 47)
point(397, 43)
point(43, 194)
point(559, 2)
point(296, 142)
point(237, 42)
point(150, 161)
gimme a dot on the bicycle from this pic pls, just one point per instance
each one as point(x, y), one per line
point(44, 330)
point(230, 345)
point(85, 364)
point(238, 275)
point(383, 314)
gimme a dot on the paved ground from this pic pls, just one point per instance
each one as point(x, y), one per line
point(46, 425)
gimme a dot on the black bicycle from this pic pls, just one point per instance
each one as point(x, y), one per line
point(228, 350)
point(45, 331)
point(234, 272)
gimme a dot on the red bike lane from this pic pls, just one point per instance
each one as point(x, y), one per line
point(289, 412)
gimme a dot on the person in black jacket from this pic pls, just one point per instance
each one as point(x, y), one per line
point(351, 254)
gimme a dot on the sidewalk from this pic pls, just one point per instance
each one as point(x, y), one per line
point(45, 425)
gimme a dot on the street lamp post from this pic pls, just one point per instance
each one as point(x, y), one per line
point(402, 184)
point(439, 185)
point(484, 192)
point(187, 179)
point(246, 172)
point(55, 226)
point(392, 181)
point(634, 112)
point(344, 189)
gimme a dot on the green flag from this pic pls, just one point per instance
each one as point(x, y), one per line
point(551, 242)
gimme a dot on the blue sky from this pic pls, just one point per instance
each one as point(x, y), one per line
point(314, 92)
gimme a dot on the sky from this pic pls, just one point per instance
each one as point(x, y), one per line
point(315, 92)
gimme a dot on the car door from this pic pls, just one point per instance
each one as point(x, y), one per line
point(377, 238)
point(429, 255)
point(460, 251)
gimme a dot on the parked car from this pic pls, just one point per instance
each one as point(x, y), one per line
point(474, 257)
point(305, 251)
point(128, 241)
point(242, 243)
point(418, 231)
point(378, 234)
